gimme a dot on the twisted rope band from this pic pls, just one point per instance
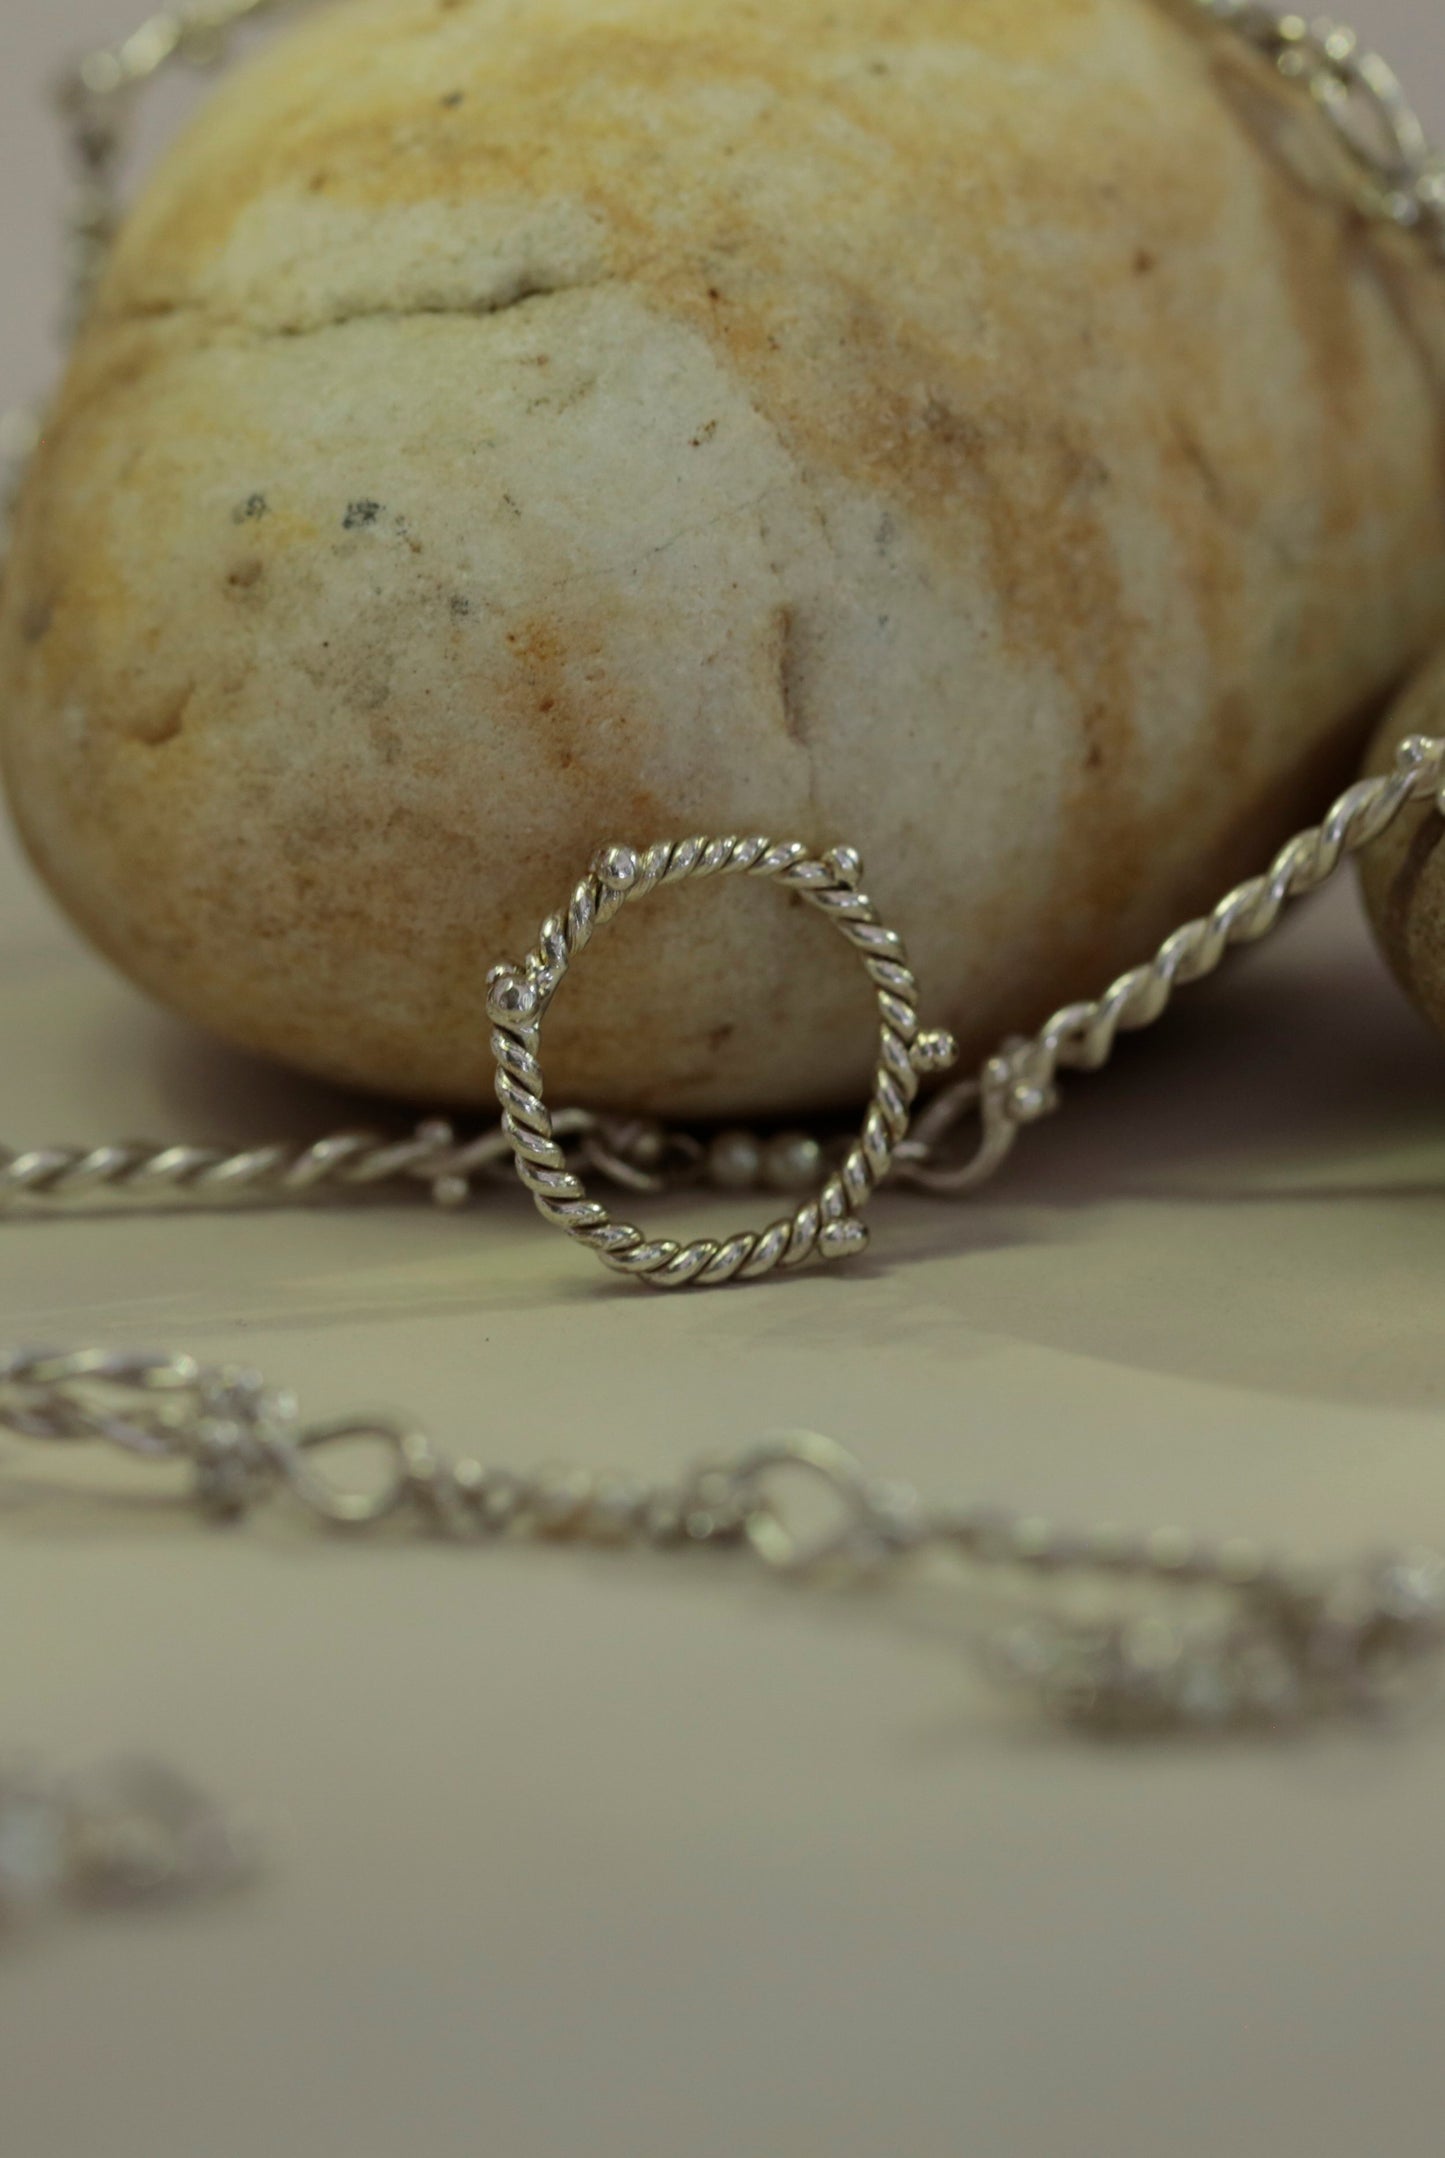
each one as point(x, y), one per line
point(1018, 1085)
point(1398, 173)
point(826, 1227)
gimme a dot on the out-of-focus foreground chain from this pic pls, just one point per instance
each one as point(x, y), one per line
point(1188, 1634)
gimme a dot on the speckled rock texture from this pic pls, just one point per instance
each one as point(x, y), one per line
point(953, 427)
point(1403, 874)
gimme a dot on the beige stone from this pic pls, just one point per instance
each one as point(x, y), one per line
point(1403, 874)
point(953, 427)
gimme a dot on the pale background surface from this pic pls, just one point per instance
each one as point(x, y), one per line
point(632, 1856)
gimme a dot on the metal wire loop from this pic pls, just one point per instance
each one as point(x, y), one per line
point(352, 1509)
point(753, 1480)
point(826, 1226)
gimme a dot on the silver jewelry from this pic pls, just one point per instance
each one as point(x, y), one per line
point(827, 1227)
point(123, 1832)
point(1191, 1636)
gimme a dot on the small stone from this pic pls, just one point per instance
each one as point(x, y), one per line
point(348, 773)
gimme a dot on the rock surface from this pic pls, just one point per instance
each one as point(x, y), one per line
point(1403, 874)
point(956, 428)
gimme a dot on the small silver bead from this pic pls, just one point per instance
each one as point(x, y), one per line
point(793, 1161)
point(511, 998)
point(645, 1144)
point(843, 1239)
point(735, 1161)
point(1410, 1589)
point(1034, 1541)
point(617, 1510)
point(1204, 1696)
point(501, 1499)
point(846, 864)
point(618, 868)
point(1173, 1552)
point(935, 1050)
point(562, 1500)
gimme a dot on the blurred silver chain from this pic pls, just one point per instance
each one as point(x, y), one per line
point(1189, 1635)
point(128, 1831)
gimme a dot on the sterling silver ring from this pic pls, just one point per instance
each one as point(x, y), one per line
point(826, 1226)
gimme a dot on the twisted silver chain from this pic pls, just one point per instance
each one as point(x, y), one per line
point(1015, 1088)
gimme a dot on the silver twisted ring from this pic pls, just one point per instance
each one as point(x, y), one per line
point(825, 1226)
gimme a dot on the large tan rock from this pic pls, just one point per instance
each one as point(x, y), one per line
point(1403, 873)
point(952, 427)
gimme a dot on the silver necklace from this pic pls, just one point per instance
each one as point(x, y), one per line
point(1192, 1636)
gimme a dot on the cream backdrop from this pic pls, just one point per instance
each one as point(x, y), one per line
point(635, 1857)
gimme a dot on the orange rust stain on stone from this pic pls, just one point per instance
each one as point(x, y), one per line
point(950, 431)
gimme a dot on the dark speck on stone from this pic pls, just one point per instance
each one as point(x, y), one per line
point(251, 510)
point(454, 98)
point(461, 605)
point(360, 516)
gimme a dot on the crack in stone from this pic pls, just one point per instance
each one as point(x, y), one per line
point(526, 287)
